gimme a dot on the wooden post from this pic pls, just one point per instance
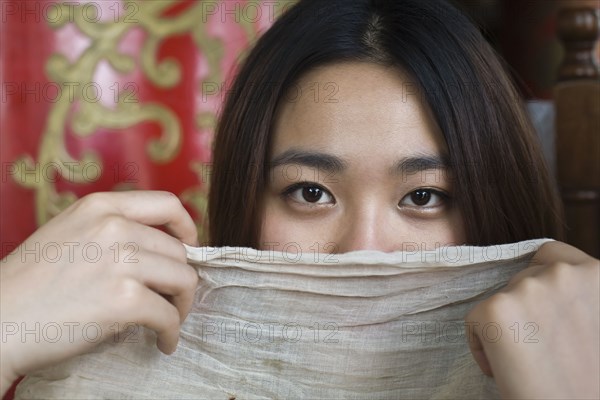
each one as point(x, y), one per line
point(577, 99)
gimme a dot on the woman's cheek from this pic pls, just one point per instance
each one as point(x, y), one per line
point(282, 233)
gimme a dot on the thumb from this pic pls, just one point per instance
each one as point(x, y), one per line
point(478, 353)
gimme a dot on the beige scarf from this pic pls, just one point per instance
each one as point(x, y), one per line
point(360, 325)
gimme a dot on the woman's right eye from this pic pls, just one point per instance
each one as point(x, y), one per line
point(307, 193)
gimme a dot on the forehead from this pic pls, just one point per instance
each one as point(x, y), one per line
point(358, 111)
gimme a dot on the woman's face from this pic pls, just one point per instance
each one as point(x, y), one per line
point(357, 162)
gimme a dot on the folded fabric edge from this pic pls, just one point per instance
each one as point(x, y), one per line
point(446, 256)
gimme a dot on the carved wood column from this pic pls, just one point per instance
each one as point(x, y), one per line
point(577, 98)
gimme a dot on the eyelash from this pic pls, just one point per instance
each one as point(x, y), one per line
point(444, 198)
point(289, 191)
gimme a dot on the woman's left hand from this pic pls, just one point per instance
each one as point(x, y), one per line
point(539, 337)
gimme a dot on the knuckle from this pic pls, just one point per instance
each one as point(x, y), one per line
point(180, 254)
point(560, 271)
point(171, 197)
point(528, 286)
point(91, 202)
point(129, 293)
point(191, 280)
point(187, 281)
point(112, 225)
point(497, 305)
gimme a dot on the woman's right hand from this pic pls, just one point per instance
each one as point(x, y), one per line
point(90, 274)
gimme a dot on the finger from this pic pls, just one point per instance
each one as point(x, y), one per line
point(177, 281)
point(473, 331)
point(161, 208)
point(483, 362)
point(531, 270)
point(550, 252)
point(152, 240)
point(478, 353)
point(150, 208)
point(163, 318)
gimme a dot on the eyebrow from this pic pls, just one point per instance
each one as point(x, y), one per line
point(318, 160)
point(412, 165)
point(334, 164)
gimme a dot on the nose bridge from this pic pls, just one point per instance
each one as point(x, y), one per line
point(365, 229)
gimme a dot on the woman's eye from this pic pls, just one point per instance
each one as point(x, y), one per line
point(309, 194)
point(426, 198)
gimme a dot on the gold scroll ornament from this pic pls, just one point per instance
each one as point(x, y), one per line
point(105, 37)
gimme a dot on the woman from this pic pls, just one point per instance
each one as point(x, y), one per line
point(352, 125)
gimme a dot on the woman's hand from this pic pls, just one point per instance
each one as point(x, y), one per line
point(539, 337)
point(93, 272)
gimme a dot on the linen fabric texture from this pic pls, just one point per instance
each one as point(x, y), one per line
point(275, 325)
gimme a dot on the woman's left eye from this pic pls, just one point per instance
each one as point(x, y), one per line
point(424, 198)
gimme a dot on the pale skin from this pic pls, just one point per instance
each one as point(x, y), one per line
point(111, 294)
point(379, 197)
point(387, 147)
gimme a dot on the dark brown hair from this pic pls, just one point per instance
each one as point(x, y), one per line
point(502, 185)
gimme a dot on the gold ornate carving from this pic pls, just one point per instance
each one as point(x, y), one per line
point(86, 117)
point(197, 198)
